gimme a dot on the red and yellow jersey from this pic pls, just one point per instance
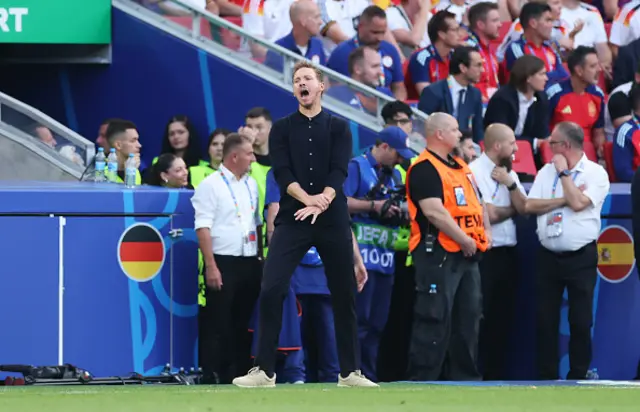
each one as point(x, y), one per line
point(585, 109)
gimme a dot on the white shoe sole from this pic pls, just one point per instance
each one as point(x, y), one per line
point(251, 387)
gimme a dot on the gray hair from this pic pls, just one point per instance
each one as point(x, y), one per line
point(572, 132)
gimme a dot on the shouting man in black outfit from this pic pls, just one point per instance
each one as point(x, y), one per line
point(310, 150)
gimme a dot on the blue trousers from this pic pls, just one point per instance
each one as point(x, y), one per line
point(372, 308)
point(319, 338)
point(290, 367)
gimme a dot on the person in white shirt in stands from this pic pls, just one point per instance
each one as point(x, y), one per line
point(504, 198)
point(408, 24)
point(227, 223)
point(340, 18)
point(626, 26)
point(268, 19)
point(457, 7)
point(576, 13)
point(567, 196)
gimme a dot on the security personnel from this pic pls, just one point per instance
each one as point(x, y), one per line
point(449, 230)
point(371, 181)
point(567, 196)
point(123, 136)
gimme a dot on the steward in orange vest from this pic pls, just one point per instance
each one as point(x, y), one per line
point(446, 261)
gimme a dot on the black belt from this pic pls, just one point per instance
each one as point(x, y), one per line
point(570, 252)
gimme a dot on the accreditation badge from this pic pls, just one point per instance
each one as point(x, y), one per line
point(554, 224)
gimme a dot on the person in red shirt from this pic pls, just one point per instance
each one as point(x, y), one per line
point(431, 64)
point(484, 26)
point(579, 100)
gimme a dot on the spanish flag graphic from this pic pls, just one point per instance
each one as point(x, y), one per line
point(615, 254)
point(141, 252)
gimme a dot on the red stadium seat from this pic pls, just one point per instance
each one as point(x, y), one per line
point(185, 21)
point(589, 149)
point(524, 162)
point(545, 152)
point(608, 158)
point(230, 39)
point(412, 94)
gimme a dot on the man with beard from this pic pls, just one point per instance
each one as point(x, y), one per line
point(504, 198)
point(310, 150)
point(466, 149)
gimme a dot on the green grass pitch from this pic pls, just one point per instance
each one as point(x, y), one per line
point(325, 398)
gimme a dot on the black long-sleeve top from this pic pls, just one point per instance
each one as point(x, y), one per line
point(314, 154)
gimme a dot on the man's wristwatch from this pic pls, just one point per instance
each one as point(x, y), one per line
point(512, 187)
point(564, 173)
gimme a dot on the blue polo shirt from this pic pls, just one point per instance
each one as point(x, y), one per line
point(339, 60)
point(346, 95)
point(315, 52)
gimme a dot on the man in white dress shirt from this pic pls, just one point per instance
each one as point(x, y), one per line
point(567, 196)
point(227, 223)
point(504, 198)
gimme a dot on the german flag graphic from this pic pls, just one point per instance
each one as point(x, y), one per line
point(615, 254)
point(141, 252)
point(629, 16)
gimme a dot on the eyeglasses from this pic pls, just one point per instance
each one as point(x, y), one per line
point(402, 121)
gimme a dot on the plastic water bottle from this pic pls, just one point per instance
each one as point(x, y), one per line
point(433, 289)
point(593, 374)
point(130, 171)
point(112, 165)
point(100, 166)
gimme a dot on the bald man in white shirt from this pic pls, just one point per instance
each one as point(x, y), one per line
point(504, 197)
point(567, 196)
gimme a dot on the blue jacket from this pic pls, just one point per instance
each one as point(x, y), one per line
point(437, 98)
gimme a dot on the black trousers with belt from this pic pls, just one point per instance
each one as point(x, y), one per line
point(444, 340)
point(288, 245)
point(577, 272)
point(225, 341)
point(499, 274)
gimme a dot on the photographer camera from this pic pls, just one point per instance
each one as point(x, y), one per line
point(375, 197)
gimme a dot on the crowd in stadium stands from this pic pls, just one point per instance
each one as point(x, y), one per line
point(528, 65)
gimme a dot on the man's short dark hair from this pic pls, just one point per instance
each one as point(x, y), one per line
point(390, 109)
point(372, 12)
point(479, 11)
point(258, 112)
point(523, 68)
point(232, 141)
point(116, 128)
point(461, 56)
point(573, 133)
point(439, 23)
point(532, 11)
point(578, 56)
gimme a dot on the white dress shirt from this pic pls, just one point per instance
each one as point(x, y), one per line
point(493, 193)
point(578, 228)
point(455, 94)
point(215, 209)
point(523, 110)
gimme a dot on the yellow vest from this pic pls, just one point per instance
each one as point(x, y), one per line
point(402, 242)
point(259, 172)
point(198, 173)
point(138, 178)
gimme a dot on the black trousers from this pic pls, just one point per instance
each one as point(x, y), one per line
point(577, 272)
point(444, 341)
point(499, 275)
point(225, 341)
point(288, 245)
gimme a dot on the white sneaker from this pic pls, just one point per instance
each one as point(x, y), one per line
point(255, 378)
point(356, 379)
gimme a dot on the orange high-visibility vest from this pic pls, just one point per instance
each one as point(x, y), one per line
point(461, 200)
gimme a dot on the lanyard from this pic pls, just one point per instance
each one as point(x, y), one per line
point(555, 184)
point(495, 192)
point(488, 59)
point(532, 52)
point(382, 74)
point(636, 121)
point(233, 196)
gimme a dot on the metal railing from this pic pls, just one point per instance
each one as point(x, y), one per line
point(233, 44)
point(45, 134)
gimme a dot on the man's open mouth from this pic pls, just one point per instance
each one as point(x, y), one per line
point(304, 93)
